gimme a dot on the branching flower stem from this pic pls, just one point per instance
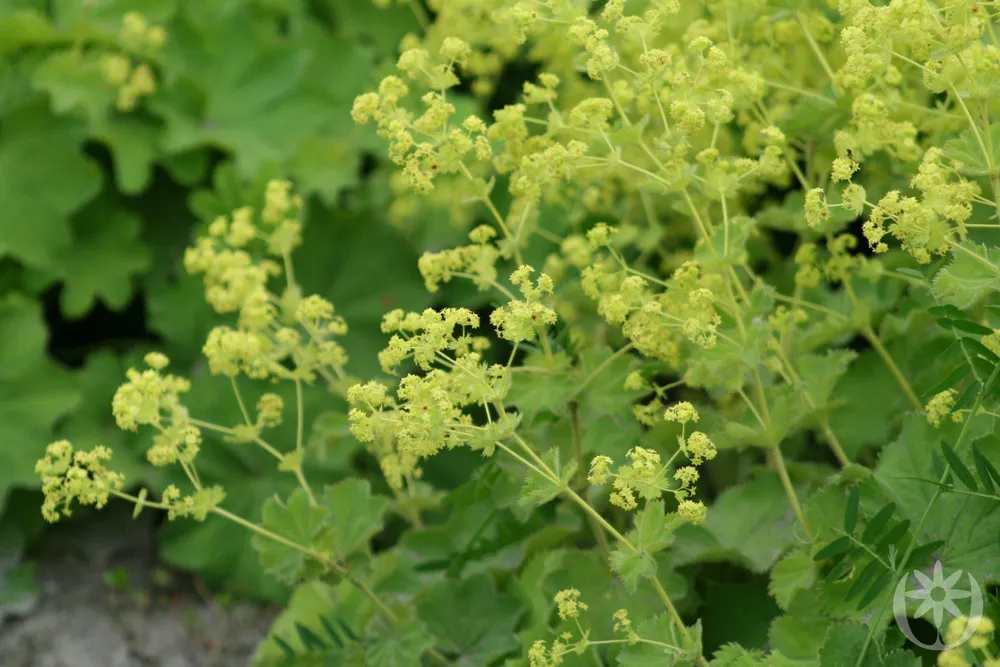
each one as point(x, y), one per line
point(539, 467)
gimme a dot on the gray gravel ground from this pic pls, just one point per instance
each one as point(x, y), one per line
point(143, 618)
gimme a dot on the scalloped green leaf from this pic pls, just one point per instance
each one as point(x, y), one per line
point(972, 273)
point(44, 177)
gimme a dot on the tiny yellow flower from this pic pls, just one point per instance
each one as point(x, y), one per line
point(681, 413)
point(568, 603)
point(940, 406)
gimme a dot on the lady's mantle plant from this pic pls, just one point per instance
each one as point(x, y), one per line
point(739, 266)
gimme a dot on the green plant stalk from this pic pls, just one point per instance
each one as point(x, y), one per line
point(831, 437)
point(817, 52)
point(890, 363)
point(870, 335)
point(581, 478)
point(300, 442)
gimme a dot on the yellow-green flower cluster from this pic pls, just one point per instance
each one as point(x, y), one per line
point(940, 406)
point(152, 398)
point(69, 475)
point(646, 477)
point(424, 336)
point(428, 412)
point(568, 604)
point(444, 146)
point(476, 261)
point(656, 323)
point(149, 396)
point(925, 226)
point(238, 258)
point(521, 319)
point(967, 639)
point(133, 78)
point(196, 506)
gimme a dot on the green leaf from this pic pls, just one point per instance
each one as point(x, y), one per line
point(240, 92)
point(793, 573)
point(967, 397)
point(134, 142)
point(395, 644)
point(821, 372)
point(106, 256)
point(846, 642)
point(309, 638)
point(945, 312)
point(604, 375)
point(654, 531)
point(339, 248)
point(870, 572)
point(987, 473)
point(538, 489)
point(179, 313)
point(23, 26)
point(752, 523)
point(548, 391)
point(877, 523)
point(967, 150)
point(44, 176)
point(951, 380)
point(958, 467)
point(330, 162)
point(974, 347)
point(473, 623)
point(893, 538)
point(919, 555)
point(734, 655)
point(297, 521)
point(73, 80)
point(24, 336)
point(913, 273)
point(835, 548)
point(221, 551)
point(875, 589)
point(842, 564)
point(968, 327)
point(35, 393)
point(851, 511)
point(236, 83)
point(860, 424)
point(971, 274)
point(843, 645)
point(968, 525)
point(383, 26)
point(310, 606)
point(355, 516)
point(799, 633)
point(728, 249)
